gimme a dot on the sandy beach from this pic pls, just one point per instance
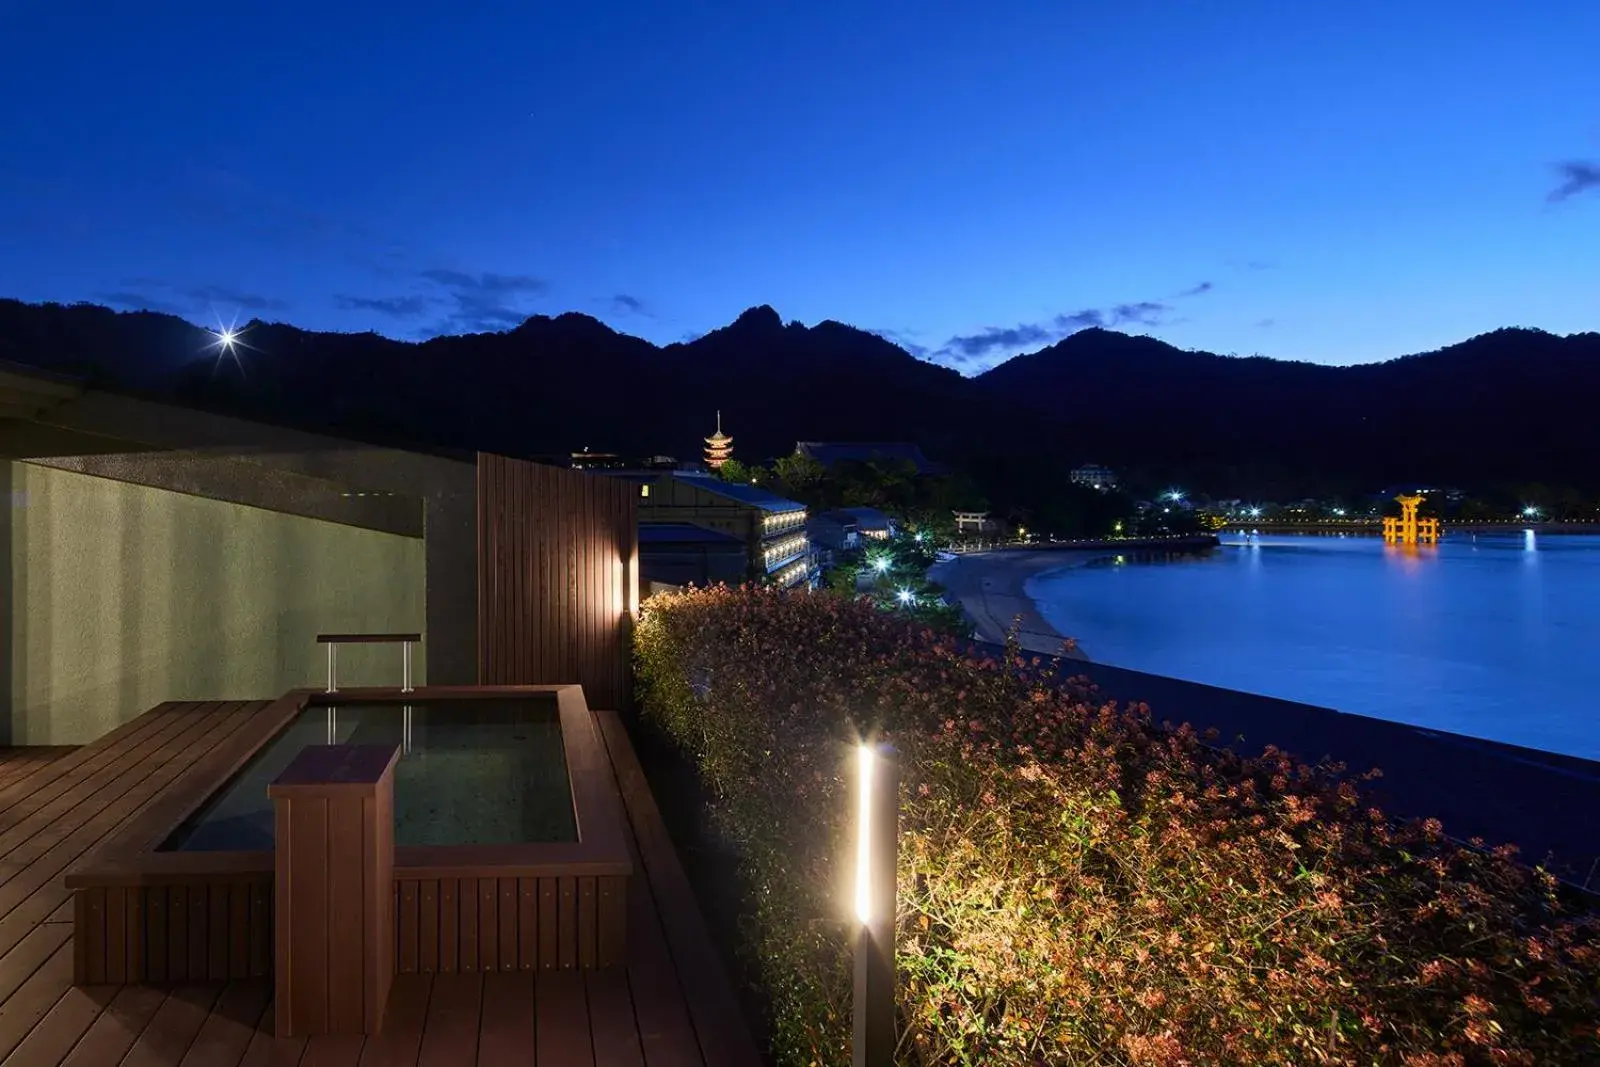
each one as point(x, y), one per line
point(991, 586)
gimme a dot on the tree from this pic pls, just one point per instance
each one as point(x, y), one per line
point(799, 476)
point(734, 470)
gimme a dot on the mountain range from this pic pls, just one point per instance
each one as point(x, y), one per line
point(1506, 408)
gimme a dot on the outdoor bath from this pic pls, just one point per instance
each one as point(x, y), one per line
point(508, 841)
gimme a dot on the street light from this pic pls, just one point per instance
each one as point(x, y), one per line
point(877, 829)
point(907, 596)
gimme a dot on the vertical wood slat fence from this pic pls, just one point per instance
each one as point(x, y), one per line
point(199, 932)
point(449, 925)
point(558, 578)
point(223, 930)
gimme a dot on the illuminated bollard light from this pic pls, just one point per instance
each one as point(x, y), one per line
point(877, 833)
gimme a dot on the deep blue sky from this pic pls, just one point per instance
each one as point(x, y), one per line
point(1337, 182)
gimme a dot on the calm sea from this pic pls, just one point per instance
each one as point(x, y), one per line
point(1496, 637)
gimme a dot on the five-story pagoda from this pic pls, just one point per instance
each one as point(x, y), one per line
point(719, 447)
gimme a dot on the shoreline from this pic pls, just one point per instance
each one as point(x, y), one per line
point(991, 588)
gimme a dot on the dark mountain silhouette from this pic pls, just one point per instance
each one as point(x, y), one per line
point(1511, 406)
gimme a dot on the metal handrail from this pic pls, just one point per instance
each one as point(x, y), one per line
point(333, 641)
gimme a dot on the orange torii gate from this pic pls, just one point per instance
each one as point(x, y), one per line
point(1408, 529)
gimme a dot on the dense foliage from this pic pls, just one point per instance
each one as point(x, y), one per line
point(1080, 885)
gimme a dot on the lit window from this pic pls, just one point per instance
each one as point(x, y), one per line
point(644, 490)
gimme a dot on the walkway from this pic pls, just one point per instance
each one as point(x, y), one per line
point(672, 1005)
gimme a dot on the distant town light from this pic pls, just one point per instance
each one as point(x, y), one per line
point(1530, 511)
point(1339, 512)
point(1255, 513)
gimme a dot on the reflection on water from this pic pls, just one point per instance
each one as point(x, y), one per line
point(1493, 636)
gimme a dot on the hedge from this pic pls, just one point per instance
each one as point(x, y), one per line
point(1080, 884)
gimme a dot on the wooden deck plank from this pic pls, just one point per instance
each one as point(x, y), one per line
point(227, 1031)
point(36, 790)
point(77, 792)
point(267, 1050)
point(90, 764)
point(63, 1027)
point(39, 887)
point(111, 1035)
point(613, 1027)
point(19, 764)
point(333, 1050)
point(646, 1014)
point(173, 1029)
point(18, 965)
point(72, 831)
point(666, 1031)
point(400, 1042)
point(34, 998)
point(563, 1019)
point(450, 1033)
point(506, 1031)
point(718, 1021)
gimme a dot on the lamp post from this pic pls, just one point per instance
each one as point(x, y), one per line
point(877, 831)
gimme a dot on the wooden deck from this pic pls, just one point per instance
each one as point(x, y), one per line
point(671, 1005)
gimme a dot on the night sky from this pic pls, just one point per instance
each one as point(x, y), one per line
point(1336, 182)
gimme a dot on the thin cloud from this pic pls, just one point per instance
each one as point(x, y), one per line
point(902, 339)
point(220, 294)
point(631, 305)
point(1578, 177)
point(1080, 320)
point(1266, 324)
point(965, 347)
point(139, 302)
point(970, 348)
point(1143, 313)
point(398, 307)
point(486, 302)
point(1197, 290)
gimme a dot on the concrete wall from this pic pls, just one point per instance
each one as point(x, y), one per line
point(120, 596)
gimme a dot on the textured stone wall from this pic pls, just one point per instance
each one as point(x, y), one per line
point(120, 596)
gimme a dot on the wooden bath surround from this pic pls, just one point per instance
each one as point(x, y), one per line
point(145, 915)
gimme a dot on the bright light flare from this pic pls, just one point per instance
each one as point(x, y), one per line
point(907, 596)
point(865, 759)
point(227, 341)
point(1255, 513)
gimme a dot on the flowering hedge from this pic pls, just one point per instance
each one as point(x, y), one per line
point(1079, 885)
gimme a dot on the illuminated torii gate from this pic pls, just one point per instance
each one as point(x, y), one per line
point(1408, 529)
